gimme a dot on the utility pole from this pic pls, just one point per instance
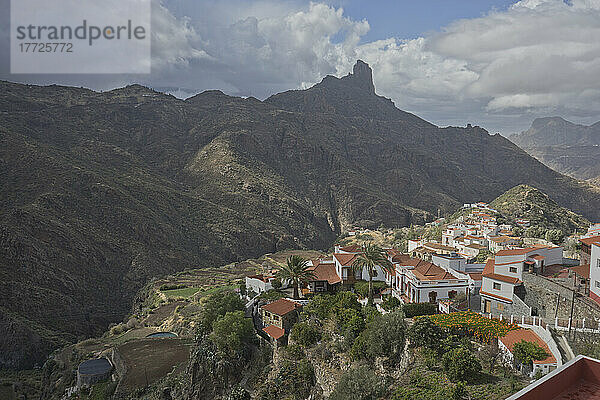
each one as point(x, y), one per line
point(572, 303)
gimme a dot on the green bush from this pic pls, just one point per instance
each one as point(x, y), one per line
point(390, 303)
point(461, 365)
point(526, 352)
point(417, 309)
point(362, 287)
point(232, 332)
point(425, 333)
point(305, 333)
point(384, 336)
point(238, 393)
point(294, 352)
point(217, 305)
point(171, 286)
point(359, 383)
point(431, 386)
point(294, 381)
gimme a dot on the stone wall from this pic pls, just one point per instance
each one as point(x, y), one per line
point(552, 299)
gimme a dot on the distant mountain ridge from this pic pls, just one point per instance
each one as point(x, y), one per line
point(569, 148)
point(103, 191)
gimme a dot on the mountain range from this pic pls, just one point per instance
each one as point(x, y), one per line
point(101, 192)
point(569, 148)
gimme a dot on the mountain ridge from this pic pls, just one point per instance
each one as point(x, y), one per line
point(108, 190)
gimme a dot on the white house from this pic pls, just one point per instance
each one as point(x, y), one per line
point(504, 273)
point(595, 272)
point(507, 344)
point(344, 260)
point(259, 283)
point(418, 281)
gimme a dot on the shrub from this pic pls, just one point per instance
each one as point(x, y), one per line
point(217, 305)
point(460, 365)
point(425, 333)
point(271, 295)
point(276, 283)
point(238, 393)
point(362, 287)
point(294, 352)
point(474, 324)
point(294, 380)
point(232, 332)
point(384, 336)
point(171, 286)
point(555, 236)
point(416, 309)
point(526, 352)
point(390, 303)
point(432, 386)
point(305, 333)
point(359, 383)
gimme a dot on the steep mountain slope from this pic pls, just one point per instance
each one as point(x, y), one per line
point(526, 202)
point(569, 148)
point(102, 191)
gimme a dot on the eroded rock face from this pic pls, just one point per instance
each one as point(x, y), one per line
point(103, 191)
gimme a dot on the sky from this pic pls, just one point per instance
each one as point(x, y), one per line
point(493, 63)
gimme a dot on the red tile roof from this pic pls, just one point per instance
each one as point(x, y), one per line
point(274, 331)
point(345, 259)
point(489, 272)
point(582, 270)
point(281, 306)
point(495, 295)
point(517, 252)
point(355, 248)
point(528, 335)
point(590, 240)
point(426, 271)
point(476, 276)
point(538, 257)
point(325, 272)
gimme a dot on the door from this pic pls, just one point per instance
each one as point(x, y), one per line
point(432, 297)
point(488, 306)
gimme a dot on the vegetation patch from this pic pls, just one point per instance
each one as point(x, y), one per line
point(474, 324)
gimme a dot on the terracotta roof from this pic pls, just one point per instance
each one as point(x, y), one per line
point(528, 335)
point(590, 240)
point(537, 257)
point(475, 246)
point(345, 259)
point(476, 276)
point(405, 260)
point(281, 306)
point(274, 331)
point(501, 239)
point(582, 270)
point(426, 271)
point(325, 272)
point(354, 248)
point(439, 246)
point(495, 295)
point(489, 272)
point(517, 252)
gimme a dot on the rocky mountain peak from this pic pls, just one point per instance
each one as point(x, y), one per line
point(361, 76)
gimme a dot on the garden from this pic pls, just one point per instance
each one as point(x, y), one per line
point(473, 324)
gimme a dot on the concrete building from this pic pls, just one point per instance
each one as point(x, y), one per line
point(503, 275)
point(595, 271)
point(259, 283)
point(278, 317)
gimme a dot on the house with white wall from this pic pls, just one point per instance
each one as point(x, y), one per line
point(259, 283)
point(504, 273)
point(344, 259)
point(507, 344)
point(418, 281)
point(595, 271)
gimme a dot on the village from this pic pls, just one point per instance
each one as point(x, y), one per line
point(479, 267)
point(518, 315)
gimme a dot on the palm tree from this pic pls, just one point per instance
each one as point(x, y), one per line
point(295, 271)
point(370, 257)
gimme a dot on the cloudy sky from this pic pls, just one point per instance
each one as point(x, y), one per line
point(493, 63)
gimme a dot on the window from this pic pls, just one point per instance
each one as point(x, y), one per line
point(496, 286)
point(598, 284)
point(513, 270)
point(500, 307)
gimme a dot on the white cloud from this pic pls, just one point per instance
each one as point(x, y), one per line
point(535, 58)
